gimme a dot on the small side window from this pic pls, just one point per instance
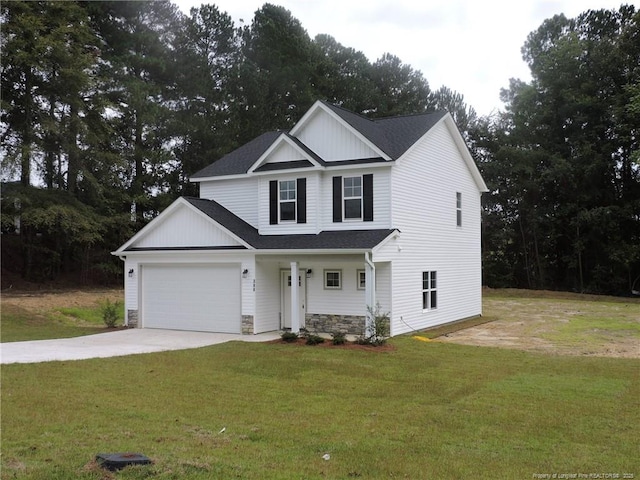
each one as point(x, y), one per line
point(458, 209)
point(362, 280)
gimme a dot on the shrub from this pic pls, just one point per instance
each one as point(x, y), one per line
point(314, 339)
point(379, 331)
point(338, 338)
point(109, 311)
point(289, 337)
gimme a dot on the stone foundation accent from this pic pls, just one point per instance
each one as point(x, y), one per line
point(329, 323)
point(132, 318)
point(247, 324)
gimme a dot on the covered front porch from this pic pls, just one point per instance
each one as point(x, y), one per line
point(324, 293)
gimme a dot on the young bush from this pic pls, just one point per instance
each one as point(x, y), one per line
point(314, 339)
point(109, 312)
point(289, 337)
point(379, 331)
point(338, 338)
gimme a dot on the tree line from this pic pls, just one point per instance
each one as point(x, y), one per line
point(108, 107)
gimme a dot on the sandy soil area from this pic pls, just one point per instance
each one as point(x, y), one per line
point(538, 325)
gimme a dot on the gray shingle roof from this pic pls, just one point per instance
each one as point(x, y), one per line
point(393, 135)
point(338, 240)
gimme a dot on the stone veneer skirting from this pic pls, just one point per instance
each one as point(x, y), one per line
point(132, 318)
point(247, 324)
point(329, 323)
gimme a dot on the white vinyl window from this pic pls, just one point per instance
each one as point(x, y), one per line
point(458, 209)
point(429, 291)
point(362, 280)
point(352, 197)
point(333, 279)
point(287, 201)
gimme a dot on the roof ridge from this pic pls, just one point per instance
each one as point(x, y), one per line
point(406, 115)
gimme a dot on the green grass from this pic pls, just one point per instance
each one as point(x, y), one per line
point(423, 410)
point(19, 324)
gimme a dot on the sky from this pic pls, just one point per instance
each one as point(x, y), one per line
point(470, 46)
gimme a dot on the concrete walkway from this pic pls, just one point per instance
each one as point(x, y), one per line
point(115, 344)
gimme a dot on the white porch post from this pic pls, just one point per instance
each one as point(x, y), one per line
point(295, 298)
point(369, 292)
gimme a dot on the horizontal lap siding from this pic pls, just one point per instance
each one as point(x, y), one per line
point(430, 240)
point(239, 196)
point(346, 301)
point(262, 206)
point(381, 200)
point(267, 296)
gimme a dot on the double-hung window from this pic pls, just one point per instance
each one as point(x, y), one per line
point(287, 200)
point(353, 198)
point(429, 291)
point(458, 209)
point(352, 188)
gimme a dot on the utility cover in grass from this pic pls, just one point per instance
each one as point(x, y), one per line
point(116, 461)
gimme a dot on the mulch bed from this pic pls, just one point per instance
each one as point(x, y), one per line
point(301, 342)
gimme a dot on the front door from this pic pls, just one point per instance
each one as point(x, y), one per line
point(286, 297)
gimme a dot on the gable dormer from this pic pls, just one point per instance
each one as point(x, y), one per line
point(286, 152)
point(332, 138)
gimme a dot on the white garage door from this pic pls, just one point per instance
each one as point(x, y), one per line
point(204, 298)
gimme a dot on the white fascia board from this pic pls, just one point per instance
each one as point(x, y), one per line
point(319, 105)
point(392, 236)
point(358, 166)
point(160, 218)
point(218, 177)
point(464, 151)
point(221, 227)
point(462, 148)
point(150, 226)
point(309, 251)
point(282, 138)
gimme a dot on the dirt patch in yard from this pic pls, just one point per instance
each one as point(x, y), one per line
point(39, 302)
point(557, 324)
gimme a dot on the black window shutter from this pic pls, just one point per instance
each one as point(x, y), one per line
point(367, 197)
point(301, 195)
point(273, 202)
point(337, 199)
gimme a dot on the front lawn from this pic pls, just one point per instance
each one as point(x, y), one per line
point(423, 410)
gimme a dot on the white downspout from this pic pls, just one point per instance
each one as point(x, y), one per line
point(369, 292)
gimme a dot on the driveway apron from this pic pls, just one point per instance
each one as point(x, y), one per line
point(119, 343)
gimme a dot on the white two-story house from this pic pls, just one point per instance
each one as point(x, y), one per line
point(310, 227)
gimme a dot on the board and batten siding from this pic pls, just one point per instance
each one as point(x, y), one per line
point(286, 228)
point(185, 227)
point(424, 210)
point(381, 200)
point(284, 153)
point(332, 141)
point(238, 195)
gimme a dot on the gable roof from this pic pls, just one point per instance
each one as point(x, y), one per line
point(349, 239)
point(249, 238)
point(392, 136)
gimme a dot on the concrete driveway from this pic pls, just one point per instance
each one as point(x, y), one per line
point(115, 344)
